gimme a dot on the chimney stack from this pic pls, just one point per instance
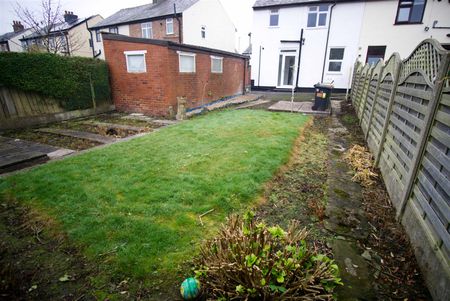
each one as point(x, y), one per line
point(17, 26)
point(69, 17)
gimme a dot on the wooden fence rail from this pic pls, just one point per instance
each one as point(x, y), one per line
point(404, 112)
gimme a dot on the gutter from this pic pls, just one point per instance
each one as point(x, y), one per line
point(328, 38)
point(92, 40)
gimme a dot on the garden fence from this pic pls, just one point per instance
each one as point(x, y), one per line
point(403, 107)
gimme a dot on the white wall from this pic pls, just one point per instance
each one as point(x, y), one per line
point(378, 27)
point(15, 45)
point(79, 38)
point(220, 30)
point(98, 46)
point(345, 29)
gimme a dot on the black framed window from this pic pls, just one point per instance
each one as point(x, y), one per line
point(375, 53)
point(98, 36)
point(410, 11)
point(114, 29)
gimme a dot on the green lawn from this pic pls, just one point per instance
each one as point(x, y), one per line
point(134, 206)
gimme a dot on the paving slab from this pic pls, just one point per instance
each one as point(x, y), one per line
point(116, 126)
point(225, 103)
point(17, 151)
point(79, 134)
point(304, 107)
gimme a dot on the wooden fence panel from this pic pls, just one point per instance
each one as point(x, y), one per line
point(372, 92)
point(363, 81)
point(355, 80)
point(382, 105)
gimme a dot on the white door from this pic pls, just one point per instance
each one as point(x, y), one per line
point(287, 70)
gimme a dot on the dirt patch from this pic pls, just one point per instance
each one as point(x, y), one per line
point(51, 139)
point(35, 265)
point(109, 131)
point(299, 192)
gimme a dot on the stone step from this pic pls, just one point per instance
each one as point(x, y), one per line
point(116, 126)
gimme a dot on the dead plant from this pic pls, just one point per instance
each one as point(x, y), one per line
point(250, 261)
point(361, 161)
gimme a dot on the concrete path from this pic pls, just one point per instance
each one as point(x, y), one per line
point(252, 104)
point(222, 104)
point(304, 107)
point(346, 219)
point(78, 134)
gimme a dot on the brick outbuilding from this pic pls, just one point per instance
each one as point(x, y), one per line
point(148, 75)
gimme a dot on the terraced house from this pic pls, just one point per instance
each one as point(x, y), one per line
point(297, 43)
point(196, 22)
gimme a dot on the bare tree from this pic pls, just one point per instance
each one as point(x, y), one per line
point(48, 27)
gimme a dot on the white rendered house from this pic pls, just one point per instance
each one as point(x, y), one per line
point(335, 34)
point(195, 22)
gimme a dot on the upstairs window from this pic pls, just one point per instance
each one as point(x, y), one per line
point(114, 29)
point(274, 17)
point(335, 59)
point(203, 32)
point(98, 35)
point(136, 61)
point(147, 31)
point(317, 16)
point(410, 11)
point(169, 26)
point(216, 64)
point(186, 62)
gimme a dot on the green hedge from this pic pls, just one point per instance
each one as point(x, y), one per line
point(66, 79)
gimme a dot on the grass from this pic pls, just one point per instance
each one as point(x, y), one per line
point(133, 207)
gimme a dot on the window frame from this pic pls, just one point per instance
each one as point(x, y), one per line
point(217, 58)
point(147, 26)
point(399, 5)
point(371, 49)
point(98, 35)
point(274, 12)
point(135, 53)
point(113, 29)
point(169, 21)
point(335, 60)
point(318, 12)
point(186, 54)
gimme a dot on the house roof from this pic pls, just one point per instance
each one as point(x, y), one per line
point(270, 3)
point(9, 35)
point(60, 27)
point(144, 12)
point(170, 44)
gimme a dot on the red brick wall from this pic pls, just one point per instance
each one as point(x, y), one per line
point(159, 30)
point(153, 92)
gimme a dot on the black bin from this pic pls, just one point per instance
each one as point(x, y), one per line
point(322, 97)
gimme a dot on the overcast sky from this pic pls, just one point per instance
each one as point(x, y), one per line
point(240, 11)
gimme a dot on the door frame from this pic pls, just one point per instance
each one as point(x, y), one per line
point(284, 52)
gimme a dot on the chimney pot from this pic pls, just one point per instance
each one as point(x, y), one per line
point(17, 26)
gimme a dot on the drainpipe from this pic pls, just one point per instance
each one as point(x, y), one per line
point(92, 40)
point(299, 57)
point(243, 79)
point(180, 40)
point(326, 45)
point(259, 66)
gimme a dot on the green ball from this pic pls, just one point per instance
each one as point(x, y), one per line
point(190, 289)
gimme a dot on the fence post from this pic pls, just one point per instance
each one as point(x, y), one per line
point(94, 104)
point(441, 77)
point(395, 77)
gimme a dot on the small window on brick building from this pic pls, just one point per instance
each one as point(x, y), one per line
point(114, 29)
point(216, 64)
point(203, 32)
point(169, 26)
point(136, 61)
point(186, 62)
point(147, 31)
